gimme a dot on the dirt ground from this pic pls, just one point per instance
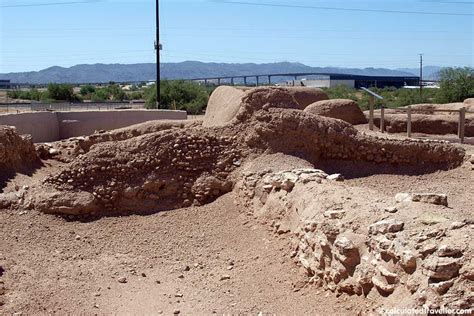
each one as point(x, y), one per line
point(55, 266)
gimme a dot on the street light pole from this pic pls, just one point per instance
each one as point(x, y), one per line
point(158, 48)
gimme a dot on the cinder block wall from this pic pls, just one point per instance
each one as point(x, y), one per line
point(53, 126)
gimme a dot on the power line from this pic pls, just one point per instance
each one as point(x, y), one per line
point(45, 4)
point(281, 5)
point(313, 37)
point(449, 2)
point(250, 29)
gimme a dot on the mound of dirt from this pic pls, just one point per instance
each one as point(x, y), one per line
point(17, 153)
point(469, 101)
point(306, 95)
point(223, 105)
point(225, 102)
point(346, 110)
point(173, 168)
point(66, 150)
point(425, 123)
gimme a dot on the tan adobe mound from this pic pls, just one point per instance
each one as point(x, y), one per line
point(223, 105)
point(306, 95)
point(469, 101)
point(17, 153)
point(346, 110)
point(225, 102)
point(437, 124)
point(66, 150)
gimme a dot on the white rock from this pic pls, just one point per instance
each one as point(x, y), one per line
point(403, 197)
point(385, 272)
point(457, 225)
point(53, 152)
point(386, 226)
point(382, 286)
point(430, 198)
point(441, 287)
point(335, 177)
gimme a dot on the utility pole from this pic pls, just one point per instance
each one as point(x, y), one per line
point(158, 47)
point(421, 77)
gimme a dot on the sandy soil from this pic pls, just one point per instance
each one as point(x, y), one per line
point(55, 266)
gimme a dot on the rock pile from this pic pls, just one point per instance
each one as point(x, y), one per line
point(154, 172)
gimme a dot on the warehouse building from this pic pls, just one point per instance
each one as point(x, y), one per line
point(355, 81)
point(5, 84)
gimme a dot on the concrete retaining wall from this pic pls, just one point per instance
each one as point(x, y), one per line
point(42, 126)
point(53, 126)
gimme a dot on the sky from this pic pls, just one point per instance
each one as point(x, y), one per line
point(37, 34)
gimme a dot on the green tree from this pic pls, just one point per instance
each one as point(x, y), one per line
point(99, 95)
point(61, 92)
point(456, 84)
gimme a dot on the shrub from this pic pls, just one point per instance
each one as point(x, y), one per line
point(342, 92)
point(456, 85)
point(136, 95)
point(61, 92)
point(33, 94)
point(115, 93)
point(87, 90)
point(99, 95)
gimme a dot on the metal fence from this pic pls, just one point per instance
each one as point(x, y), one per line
point(409, 110)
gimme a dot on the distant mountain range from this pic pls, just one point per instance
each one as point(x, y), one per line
point(98, 73)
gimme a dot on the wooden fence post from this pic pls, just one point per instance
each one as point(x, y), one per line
point(382, 119)
point(462, 124)
point(371, 112)
point(409, 121)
